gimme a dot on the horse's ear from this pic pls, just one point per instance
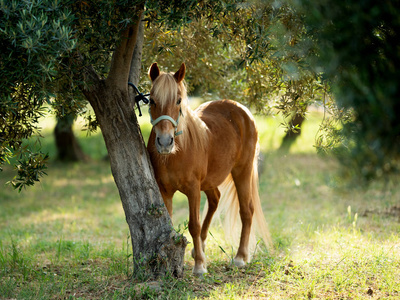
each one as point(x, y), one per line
point(180, 74)
point(154, 71)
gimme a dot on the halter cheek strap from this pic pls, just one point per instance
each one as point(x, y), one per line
point(165, 117)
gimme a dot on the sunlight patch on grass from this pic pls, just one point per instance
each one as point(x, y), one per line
point(341, 261)
point(79, 182)
point(271, 132)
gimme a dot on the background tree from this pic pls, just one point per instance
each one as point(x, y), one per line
point(358, 51)
point(294, 131)
point(68, 148)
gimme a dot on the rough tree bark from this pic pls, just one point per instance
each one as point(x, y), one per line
point(157, 248)
point(136, 63)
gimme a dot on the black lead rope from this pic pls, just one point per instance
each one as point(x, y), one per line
point(139, 97)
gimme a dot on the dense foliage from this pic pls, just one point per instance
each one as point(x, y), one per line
point(359, 52)
point(34, 37)
point(256, 53)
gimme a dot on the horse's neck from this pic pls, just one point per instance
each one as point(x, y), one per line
point(195, 132)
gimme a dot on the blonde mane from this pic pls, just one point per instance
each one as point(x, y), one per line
point(194, 131)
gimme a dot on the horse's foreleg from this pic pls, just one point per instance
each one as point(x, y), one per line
point(195, 229)
point(167, 197)
point(243, 188)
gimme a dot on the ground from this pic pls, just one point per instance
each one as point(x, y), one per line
point(66, 237)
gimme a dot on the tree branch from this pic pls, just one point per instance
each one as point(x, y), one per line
point(122, 57)
point(136, 64)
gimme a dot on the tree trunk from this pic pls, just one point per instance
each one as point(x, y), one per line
point(157, 248)
point(293, 133)
point(68, 148)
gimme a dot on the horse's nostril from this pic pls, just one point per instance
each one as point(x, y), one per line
point(165, 141)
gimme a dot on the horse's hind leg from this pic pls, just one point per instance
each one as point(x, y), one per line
point(213, 197)
point(242, 179)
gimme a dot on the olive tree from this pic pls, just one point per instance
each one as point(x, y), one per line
point(68, 53)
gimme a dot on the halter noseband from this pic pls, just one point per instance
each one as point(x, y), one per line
point(166, 117)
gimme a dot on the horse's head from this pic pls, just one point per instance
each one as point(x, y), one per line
point(167, 97)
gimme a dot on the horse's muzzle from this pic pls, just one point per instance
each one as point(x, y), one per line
point(165, 143)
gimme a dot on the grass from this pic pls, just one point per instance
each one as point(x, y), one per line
point(66, 237)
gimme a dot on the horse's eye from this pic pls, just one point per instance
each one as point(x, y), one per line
point(152, 102)
point(179, 101)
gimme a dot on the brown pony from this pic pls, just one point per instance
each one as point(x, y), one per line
point(192, 151)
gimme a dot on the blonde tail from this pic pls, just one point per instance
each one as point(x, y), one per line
point(259, 222)
point(228, 207)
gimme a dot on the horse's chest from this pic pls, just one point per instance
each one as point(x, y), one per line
point(178, 173)
point(167, 177)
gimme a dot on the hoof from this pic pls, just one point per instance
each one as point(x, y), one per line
point(239, 262)
point(199, 271)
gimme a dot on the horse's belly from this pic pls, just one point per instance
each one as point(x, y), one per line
point(219, 167)
point(214, 180)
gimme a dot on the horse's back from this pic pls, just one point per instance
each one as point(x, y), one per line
point(233, 135)
point(224, 116)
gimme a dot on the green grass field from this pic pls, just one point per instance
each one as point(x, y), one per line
point(66, 237)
